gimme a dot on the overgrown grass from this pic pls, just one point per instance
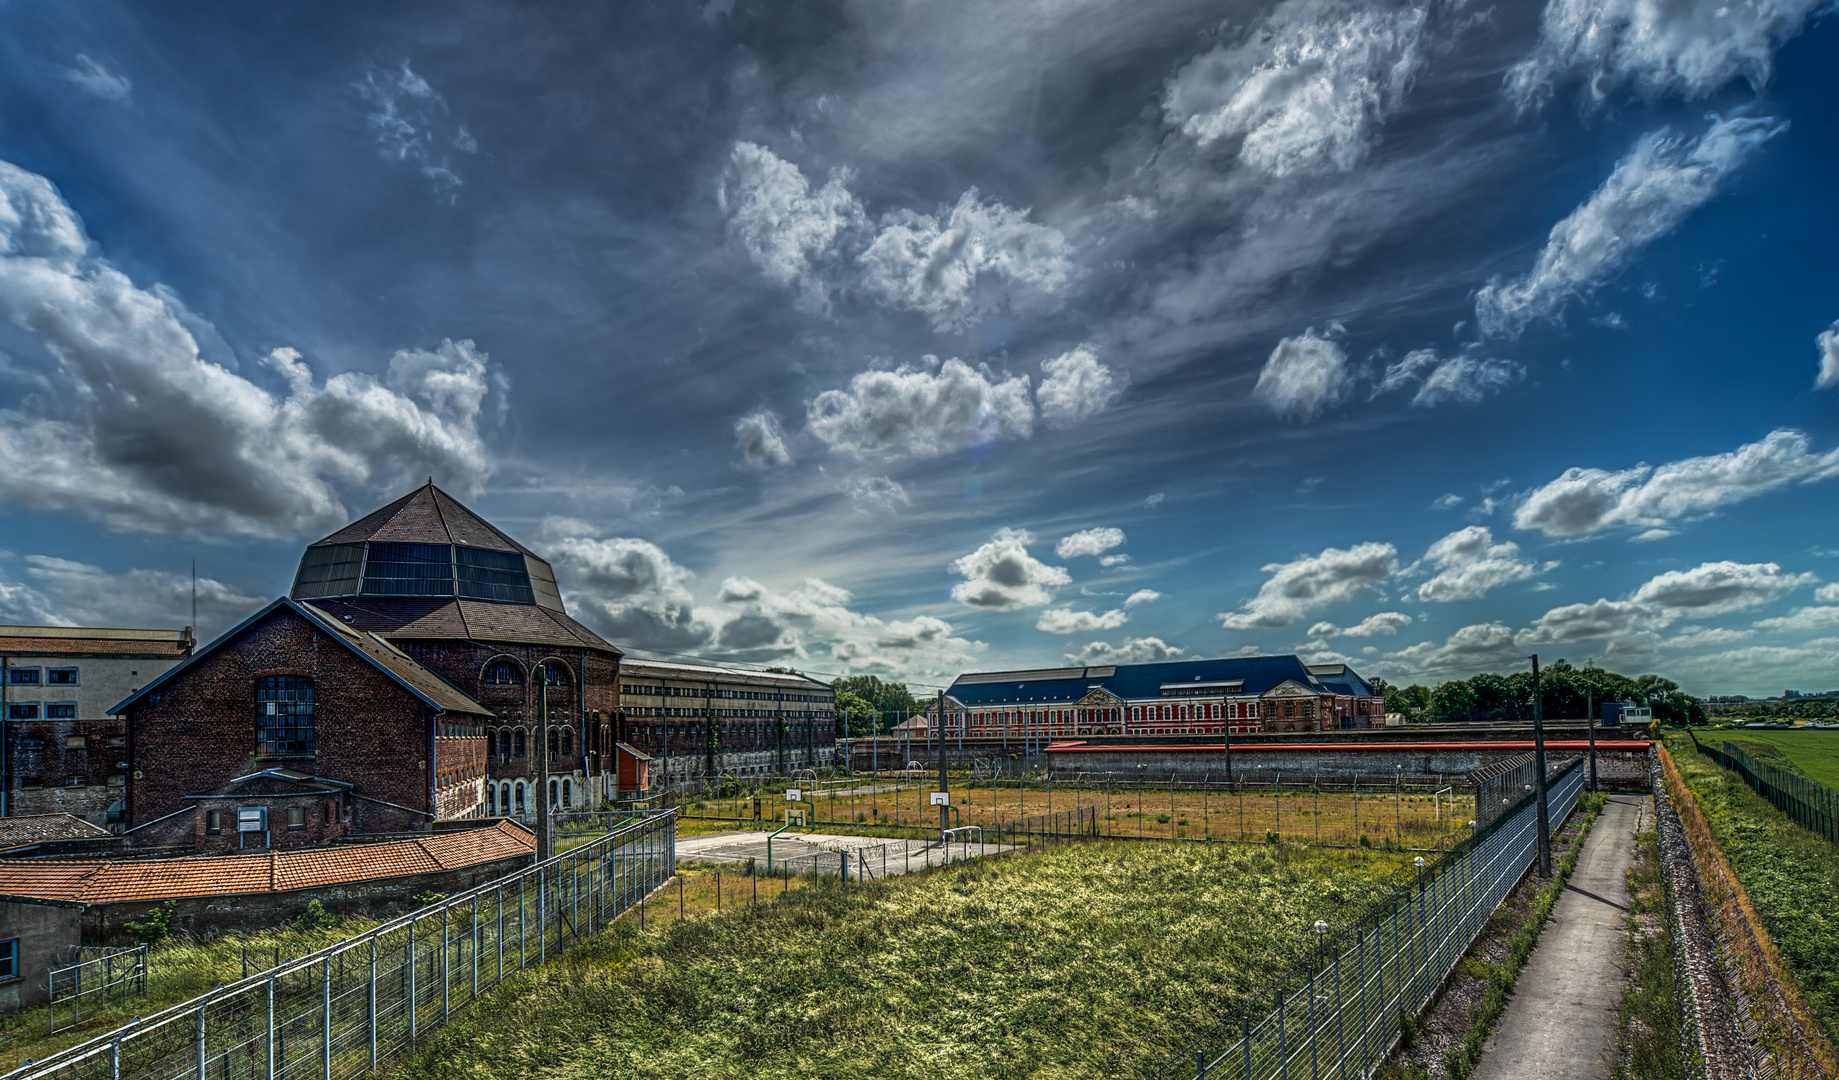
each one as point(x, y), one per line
point(1790, 874)
point(1648, 1021)
point(1085, 960)
point(178, 969)
point(1813, 754)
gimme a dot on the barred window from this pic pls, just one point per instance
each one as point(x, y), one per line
point(503, 673)
point(284, 715)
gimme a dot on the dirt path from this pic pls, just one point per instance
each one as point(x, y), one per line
point(1560, 1023)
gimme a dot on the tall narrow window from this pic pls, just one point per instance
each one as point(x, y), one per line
point(284, 715)
point(518, 750)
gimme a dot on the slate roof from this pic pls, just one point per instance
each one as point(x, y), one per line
point(478, 620)
point(33, 828)
point(1137, 682)
point(131, 881)
point(411, 676)
point(426, 515)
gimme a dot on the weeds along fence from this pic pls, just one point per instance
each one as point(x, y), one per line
point(1812, 806)
point(93, 977)
point(342, 1011)
point(1339, 1013)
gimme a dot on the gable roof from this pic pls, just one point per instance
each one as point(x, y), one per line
point(1239, 675)
point(435, 692)
point(139, 880)
point(426, 515)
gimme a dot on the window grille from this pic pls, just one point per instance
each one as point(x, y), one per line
point(284, 715)
point(503, 673)
point(409, 570)
point(493, 575)
point(61, 710)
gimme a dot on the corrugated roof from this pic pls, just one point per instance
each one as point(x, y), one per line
point(426, 515)
point(32, 828)
point(1132, 682)
point(107, 882)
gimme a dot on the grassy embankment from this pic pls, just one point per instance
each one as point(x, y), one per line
point(1082, 960)
point(1813, 754)
point(1418, 820)
point(1790, 874)
point(178, 969)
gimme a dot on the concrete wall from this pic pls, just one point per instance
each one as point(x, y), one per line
point(42, 930)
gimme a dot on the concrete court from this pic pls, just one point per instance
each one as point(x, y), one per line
point(1560, 1023)
point(738, 847)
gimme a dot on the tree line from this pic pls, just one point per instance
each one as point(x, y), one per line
point(1567, 692)
point(866, 706)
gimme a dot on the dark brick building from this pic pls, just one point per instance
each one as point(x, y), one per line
point(407, 670)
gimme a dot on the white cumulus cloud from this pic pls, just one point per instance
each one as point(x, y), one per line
point(1582, 501)
point(1384, 622)
point(1296, 588)
point(1469, 563)
point(1075, 386)
point(1306, 91)
point(1714, 588)
point(1650, 193)
point(628, 589)
point(1002, 576)
point(976, 258)
point(1304, 375)
point(786, 228)
point(1089, 542)
point(1142, 596)
point(761, 441)
point(138, 429)
point(1141, 650)
point(1068, 621)
point(922, 411)
point(1828, 344)
point(1689, 49)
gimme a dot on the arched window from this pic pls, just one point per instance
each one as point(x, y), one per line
point(552, 674)
point(518, 744)
point(520, 797)
point(552, 794)
point(503, 673)
point(567, 796)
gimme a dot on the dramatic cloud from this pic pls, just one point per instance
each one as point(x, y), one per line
point(138, 429)
point(1002, 576)
point(98, 80)
point(922, 411)
point(1686, 50)
point(627, 589)
point(1469, 563)
point(787, 229)
point(1075, 386)
point(1296, 588)
point(1089, 542)
point(1129, 651)
point(877, 495)
point(412, 125)
point(761, 441)
point(1714, 588)
point(1803, 619)
point(1471, 647)
point(1304, 375)
point(1307, 91)
point(1828, 343)
point(975, 259)
point(1583, 501)
point(60, 592)
point(772, 624)
point(1142, 596)
point(1385, 622)
point(1456, 378)
point(1650, 193)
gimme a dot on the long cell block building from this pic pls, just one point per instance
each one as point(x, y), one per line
point(698, 721)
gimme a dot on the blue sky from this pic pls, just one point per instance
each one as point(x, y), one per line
point(914, 339)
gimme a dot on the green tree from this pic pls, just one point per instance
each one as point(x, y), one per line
point(892, 702)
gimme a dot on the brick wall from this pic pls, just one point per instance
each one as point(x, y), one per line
point(200, 732)
point(66, 767)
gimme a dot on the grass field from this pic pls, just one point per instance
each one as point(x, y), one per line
point(1791, 874)
point(1082, 960)
point(1813, 754)
point(1219, 812)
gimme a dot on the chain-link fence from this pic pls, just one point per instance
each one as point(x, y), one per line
point(1812, 806)
point(91, 978)
point(1339, 1014)
point(344, 1010)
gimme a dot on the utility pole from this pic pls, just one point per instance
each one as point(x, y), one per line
point(542, 763)
point(1590, 719)
point(944, 785)
point(1545, 824)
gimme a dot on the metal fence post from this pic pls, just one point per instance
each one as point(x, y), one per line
point(325, 1030)
point(446, 1005)
point(201, 1047)
point(269, 1038)
point(372, 996)
point(411, 962)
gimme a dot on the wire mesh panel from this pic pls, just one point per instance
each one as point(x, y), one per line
point(343, 1010)
point(93, 978)
point(1338, 1014)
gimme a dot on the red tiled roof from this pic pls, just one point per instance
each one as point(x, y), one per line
point(100, 882)
point(73, 646)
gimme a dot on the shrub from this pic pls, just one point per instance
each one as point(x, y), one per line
point(424, 899)
point(157, 926)
point(315, 917)
point(1365, 841)
point(1162, 818)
